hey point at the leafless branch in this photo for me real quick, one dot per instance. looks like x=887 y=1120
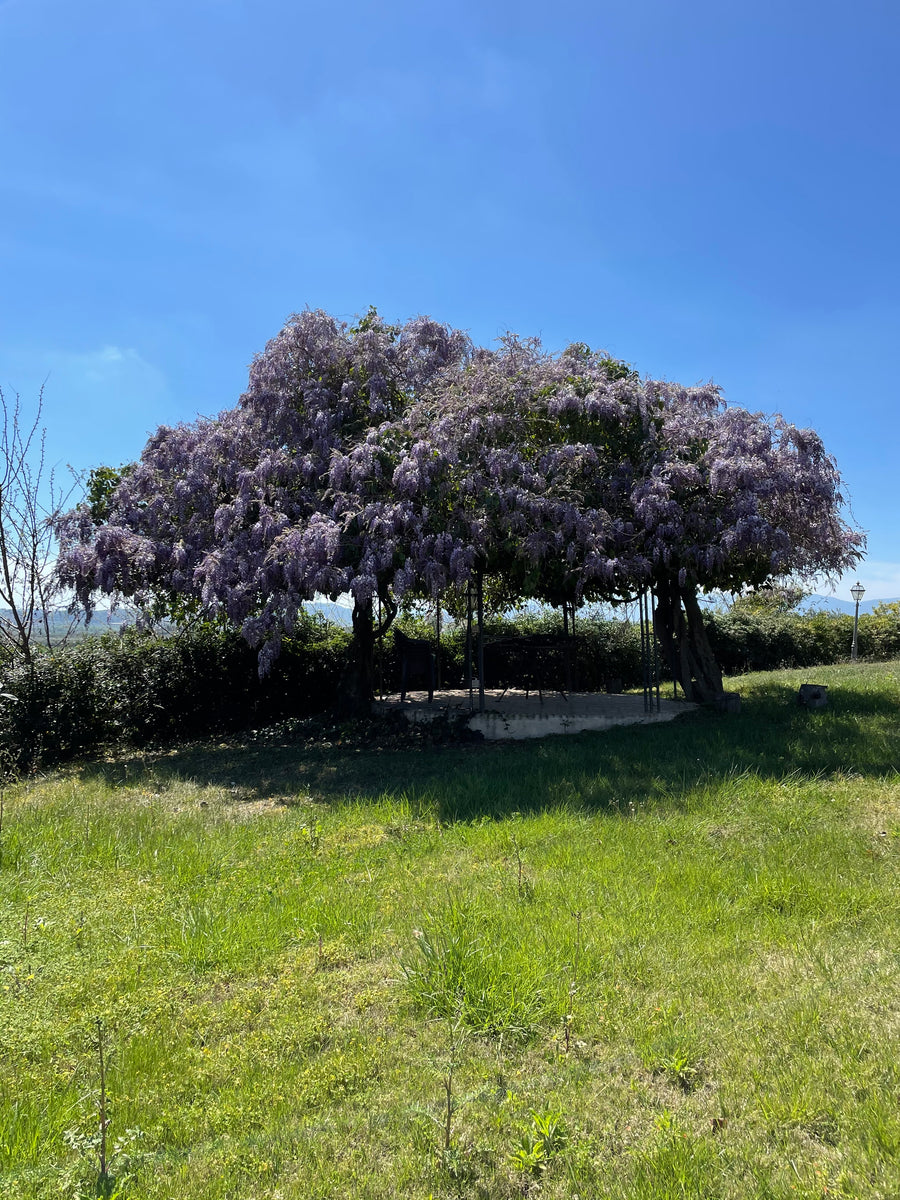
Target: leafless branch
x=31 y=498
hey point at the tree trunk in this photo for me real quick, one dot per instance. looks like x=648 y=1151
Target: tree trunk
x=356 y=688
x=685 y=644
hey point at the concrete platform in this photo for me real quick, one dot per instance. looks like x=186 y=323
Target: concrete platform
x=513 y=715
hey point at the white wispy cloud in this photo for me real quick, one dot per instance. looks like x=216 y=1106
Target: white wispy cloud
x=99 y=404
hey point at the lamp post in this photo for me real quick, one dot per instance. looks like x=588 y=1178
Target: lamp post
x=857 y=592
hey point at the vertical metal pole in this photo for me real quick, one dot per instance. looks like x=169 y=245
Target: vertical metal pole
x=645 y=650
x=656 y=671
x=380 y=655
x=437 y=657
x=571 y=671
x=853 y=648
x=469 y=642
x=480 y=599
x=643 y=655
x=651 y=651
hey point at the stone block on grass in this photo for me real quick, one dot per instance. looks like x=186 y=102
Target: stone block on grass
x=813 y=695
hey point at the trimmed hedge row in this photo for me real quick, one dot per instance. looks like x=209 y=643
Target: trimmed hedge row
x=747 y=641
x=138 y=689
x=743 y=640
x=142 y=690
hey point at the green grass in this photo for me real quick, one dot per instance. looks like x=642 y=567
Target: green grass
x=646 y=963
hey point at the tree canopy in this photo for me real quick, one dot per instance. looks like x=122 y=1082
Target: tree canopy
x=390 y=461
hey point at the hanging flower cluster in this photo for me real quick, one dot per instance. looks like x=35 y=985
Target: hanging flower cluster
x=389 y=460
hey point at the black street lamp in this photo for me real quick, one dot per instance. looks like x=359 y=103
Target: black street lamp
x=857 y=592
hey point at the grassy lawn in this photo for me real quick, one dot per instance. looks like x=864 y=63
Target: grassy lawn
x=654 y=962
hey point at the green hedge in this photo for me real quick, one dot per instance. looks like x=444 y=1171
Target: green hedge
x=138 y=689
x=767 y=641
x=743 y=640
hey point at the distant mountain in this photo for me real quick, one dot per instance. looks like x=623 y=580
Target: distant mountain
x=102 y=621
x=341 y=614
x=834 y=605
x=338 y=614
x=59 y=622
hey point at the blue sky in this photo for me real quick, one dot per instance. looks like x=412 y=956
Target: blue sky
x=708 y=190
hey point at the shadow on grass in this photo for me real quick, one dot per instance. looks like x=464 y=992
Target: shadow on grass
x=773 y=737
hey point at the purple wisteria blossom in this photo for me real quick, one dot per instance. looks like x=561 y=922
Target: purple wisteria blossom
x=390 y=461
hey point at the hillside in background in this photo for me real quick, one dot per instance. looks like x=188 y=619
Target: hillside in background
x=833 y=604
x=61 y=622
x=105 y=622
x=340 y=614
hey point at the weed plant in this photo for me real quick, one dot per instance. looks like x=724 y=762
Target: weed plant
x=274 y=940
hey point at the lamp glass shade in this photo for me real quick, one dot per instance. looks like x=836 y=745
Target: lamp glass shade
x=857 y=592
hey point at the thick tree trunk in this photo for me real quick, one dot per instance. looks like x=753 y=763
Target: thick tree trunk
x=356 y=688
x=685 y=644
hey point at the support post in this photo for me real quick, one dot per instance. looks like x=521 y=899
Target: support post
x=437 y=654
x=480 y=601
x=380 y=654
x=651 y=605
x=643 y=625
x=854 y=648
x=469 y=644
x=649 y=652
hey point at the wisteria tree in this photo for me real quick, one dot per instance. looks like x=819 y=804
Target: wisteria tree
x=513 y=467
x=397 y=461
x=570 y=478
x=236 y=516
x=732 y=499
